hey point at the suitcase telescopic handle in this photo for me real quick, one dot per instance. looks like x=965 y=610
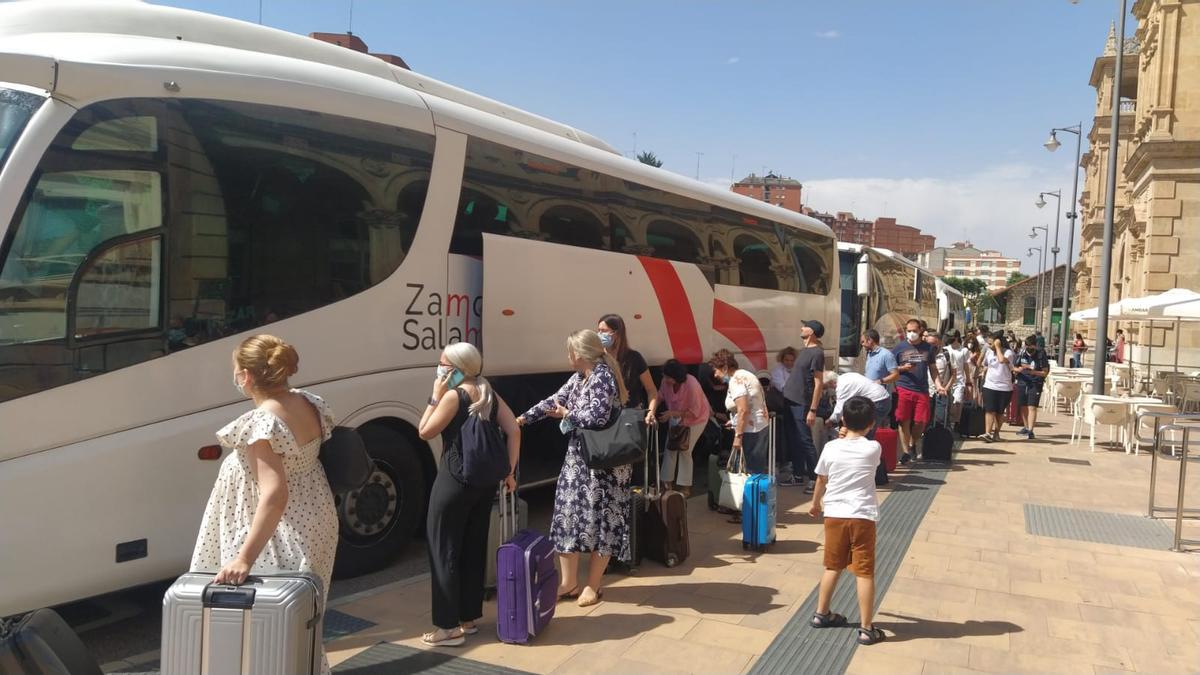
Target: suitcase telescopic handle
x=508 y=512
x=217 y=596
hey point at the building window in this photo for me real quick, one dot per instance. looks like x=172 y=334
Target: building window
x=1029 y=312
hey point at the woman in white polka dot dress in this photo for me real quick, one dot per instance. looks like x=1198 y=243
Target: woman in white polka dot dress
x=271 y=508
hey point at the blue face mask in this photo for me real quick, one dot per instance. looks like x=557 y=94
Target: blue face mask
x=565 y=426
x=725 y=379
x=456 y=376
x=606 y=339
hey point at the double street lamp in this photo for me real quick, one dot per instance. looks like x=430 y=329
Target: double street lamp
x=1041 y=272
x=1052 y=144
x=1041 y=201
x=1037 y=307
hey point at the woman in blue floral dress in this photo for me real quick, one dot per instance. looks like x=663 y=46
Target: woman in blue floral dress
x=590 y=506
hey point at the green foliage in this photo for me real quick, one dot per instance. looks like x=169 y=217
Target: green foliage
x=648 y=157
x=970 y=288
x=1015 y=277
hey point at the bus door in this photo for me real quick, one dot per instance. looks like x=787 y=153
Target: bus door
x=536 y=293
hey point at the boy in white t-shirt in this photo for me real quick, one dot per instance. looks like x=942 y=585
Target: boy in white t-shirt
x=845 y=493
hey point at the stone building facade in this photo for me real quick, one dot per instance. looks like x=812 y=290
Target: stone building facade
x=1020 y=309
x=1156 y=233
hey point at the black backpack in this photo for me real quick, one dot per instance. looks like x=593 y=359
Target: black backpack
x=484 y=448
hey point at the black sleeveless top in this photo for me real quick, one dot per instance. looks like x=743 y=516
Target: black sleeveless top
x=452 y=458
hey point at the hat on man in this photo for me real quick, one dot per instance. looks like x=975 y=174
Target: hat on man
x=817 y=328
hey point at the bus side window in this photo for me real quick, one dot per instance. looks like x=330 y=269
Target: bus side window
x=812 y=254
x=69 y=214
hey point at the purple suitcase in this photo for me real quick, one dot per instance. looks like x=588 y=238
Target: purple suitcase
x=526 y=580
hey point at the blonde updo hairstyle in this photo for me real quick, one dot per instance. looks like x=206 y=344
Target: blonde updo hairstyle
x=468 y=361
x=585 y=344
x=268 y=359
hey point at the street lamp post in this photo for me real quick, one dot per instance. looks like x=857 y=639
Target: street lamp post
x=1052 y=144
x=1057 y=194
x=1110 y=202
x=1037 y=320
x=1041 y=308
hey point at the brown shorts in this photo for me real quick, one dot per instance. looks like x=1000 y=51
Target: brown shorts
x=850 y=544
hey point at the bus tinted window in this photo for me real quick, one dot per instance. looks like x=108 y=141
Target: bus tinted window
x=271 y=212
x=284 y=211
x=512 y=192
x=813 y=255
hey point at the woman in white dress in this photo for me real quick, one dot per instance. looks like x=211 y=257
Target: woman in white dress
x=271 y=508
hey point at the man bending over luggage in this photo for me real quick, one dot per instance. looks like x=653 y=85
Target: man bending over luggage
x=845 y=493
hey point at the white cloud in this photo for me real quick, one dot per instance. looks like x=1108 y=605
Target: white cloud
x=993 y=208
x=732 y=60
x=828 y=34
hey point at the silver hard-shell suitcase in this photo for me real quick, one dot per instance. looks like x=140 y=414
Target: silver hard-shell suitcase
x=269 y=624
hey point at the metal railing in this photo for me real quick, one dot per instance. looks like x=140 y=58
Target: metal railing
x=1185 y=431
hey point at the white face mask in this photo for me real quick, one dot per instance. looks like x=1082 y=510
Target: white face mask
x=240 y=387
x=912 y=336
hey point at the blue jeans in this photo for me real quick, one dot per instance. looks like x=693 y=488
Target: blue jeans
x=882 y=410
x=803 y=449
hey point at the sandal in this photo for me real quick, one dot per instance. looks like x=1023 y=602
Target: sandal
x=830 y=620
x=598 y=595
x=469 y=628
x=569 y=595
x=869 y=636
x=450 y=639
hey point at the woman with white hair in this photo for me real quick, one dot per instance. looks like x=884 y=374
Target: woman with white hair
x=589 y=504
x=460 y=513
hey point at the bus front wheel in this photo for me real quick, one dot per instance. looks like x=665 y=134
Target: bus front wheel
x=377 y=521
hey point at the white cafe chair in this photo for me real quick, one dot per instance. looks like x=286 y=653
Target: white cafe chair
x=1112 y=415
x=1146 y=426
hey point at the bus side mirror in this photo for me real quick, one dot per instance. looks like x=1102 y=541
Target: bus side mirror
x=863 y=276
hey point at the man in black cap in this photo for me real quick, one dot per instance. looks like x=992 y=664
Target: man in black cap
x=803 y=393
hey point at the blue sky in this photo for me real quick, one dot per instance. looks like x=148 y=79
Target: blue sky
x=931 y=112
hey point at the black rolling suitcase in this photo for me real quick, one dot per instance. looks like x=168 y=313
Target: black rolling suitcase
x=41 y=643
x=938 y=441
x=971 y=423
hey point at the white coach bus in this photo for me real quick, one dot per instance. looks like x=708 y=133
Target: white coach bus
x=881 y=289
x=172 y=182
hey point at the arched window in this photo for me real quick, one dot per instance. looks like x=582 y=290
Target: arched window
x=754 y=262
x=572 y=226
x=673 y=241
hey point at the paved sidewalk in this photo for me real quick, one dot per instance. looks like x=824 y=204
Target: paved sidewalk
x=973 y=591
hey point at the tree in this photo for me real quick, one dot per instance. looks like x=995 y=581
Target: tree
x=970 y=288
x=1015 y=277
x=648 y=157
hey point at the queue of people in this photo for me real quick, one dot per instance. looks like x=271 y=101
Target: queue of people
x=271 y=506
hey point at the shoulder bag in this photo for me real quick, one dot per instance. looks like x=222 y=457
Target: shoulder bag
x=347 y=464
x=618 y=443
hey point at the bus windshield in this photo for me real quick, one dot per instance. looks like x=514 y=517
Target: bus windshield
x=16 y=107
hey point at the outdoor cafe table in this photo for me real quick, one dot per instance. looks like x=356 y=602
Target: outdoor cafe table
x=1132 y=402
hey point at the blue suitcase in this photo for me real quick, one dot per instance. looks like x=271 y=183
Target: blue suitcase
x=758 y=502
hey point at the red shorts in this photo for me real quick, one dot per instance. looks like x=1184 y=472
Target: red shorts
x=912 y=405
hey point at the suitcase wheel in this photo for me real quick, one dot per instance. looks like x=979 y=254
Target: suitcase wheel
x=672 y=560
x=745 y=546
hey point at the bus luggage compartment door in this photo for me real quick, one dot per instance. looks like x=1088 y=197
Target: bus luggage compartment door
x=536 y=293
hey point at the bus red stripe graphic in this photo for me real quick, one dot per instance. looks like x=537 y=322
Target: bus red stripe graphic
x=676 y=309
x=739 y=328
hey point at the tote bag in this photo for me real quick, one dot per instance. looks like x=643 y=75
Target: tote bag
x=618 y=443
x=733 y=481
